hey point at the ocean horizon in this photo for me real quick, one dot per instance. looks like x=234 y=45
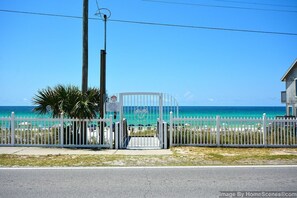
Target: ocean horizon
x=184 y=111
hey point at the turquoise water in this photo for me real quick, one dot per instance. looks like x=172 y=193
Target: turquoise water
x=231 y=111
x=187 y=111
x=20 y=111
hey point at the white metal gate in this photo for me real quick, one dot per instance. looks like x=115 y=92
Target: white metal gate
x=143 y=118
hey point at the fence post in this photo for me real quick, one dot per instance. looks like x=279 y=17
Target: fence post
x=171 y=129
x=12 y=128
x=264 y=130
x=116 y=135
x=62 y=130
x=218 y=120
x=111 y=132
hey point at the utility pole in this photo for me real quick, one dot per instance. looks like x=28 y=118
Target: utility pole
x=85 y=46
x=103 y=80
x=84 y=87
x=103 y=73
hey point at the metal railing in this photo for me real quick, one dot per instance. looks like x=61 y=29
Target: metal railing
x=55 y=132
x=234 y=132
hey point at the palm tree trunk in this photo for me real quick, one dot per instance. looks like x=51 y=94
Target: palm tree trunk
x=85 y=46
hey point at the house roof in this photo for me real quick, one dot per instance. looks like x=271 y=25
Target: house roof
x=289 y=70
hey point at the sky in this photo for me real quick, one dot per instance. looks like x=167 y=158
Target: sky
x=198 y=66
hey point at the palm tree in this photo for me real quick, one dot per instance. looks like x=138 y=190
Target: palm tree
x=47 y=102
x=70 y=101
x=87 y=105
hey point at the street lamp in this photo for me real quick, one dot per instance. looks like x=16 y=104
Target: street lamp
x=104 y=17
x=104 y=14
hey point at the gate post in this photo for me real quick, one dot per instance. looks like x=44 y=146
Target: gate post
x=161 y=131
x=165 y=135
x=120 y=142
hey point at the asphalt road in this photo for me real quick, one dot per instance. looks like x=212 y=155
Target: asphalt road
x=144 y=182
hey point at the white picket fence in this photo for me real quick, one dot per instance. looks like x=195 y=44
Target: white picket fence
x=56 y=132
x=233 y=132
x=186 y=131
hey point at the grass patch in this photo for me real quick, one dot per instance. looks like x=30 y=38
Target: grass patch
x=182 y=156
x=216 y=156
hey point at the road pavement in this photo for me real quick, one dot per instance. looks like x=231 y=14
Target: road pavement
x=144 y=182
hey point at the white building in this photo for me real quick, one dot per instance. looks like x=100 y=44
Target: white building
x=290 y=95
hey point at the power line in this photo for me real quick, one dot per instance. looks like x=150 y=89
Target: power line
x=217 y=6
x=261 y=4
x=205 y=27
x=156 y=24
x=42 y=14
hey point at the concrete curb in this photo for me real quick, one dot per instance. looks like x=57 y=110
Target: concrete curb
x=151 y=167
x=68 y=151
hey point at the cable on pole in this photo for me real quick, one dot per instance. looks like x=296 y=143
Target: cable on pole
x=158 y=24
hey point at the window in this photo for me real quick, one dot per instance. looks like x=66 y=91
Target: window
x=283 y=96
x=290 y=111
x=295 y=87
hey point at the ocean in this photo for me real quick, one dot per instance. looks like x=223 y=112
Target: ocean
x=231 y=111
x=184 y=111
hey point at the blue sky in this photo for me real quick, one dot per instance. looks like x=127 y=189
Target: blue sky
x=197 y=66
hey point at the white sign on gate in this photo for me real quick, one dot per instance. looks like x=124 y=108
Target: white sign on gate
x=113 y=106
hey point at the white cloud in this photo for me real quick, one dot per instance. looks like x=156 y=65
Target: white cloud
x=188 y=96
x=26 y=101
